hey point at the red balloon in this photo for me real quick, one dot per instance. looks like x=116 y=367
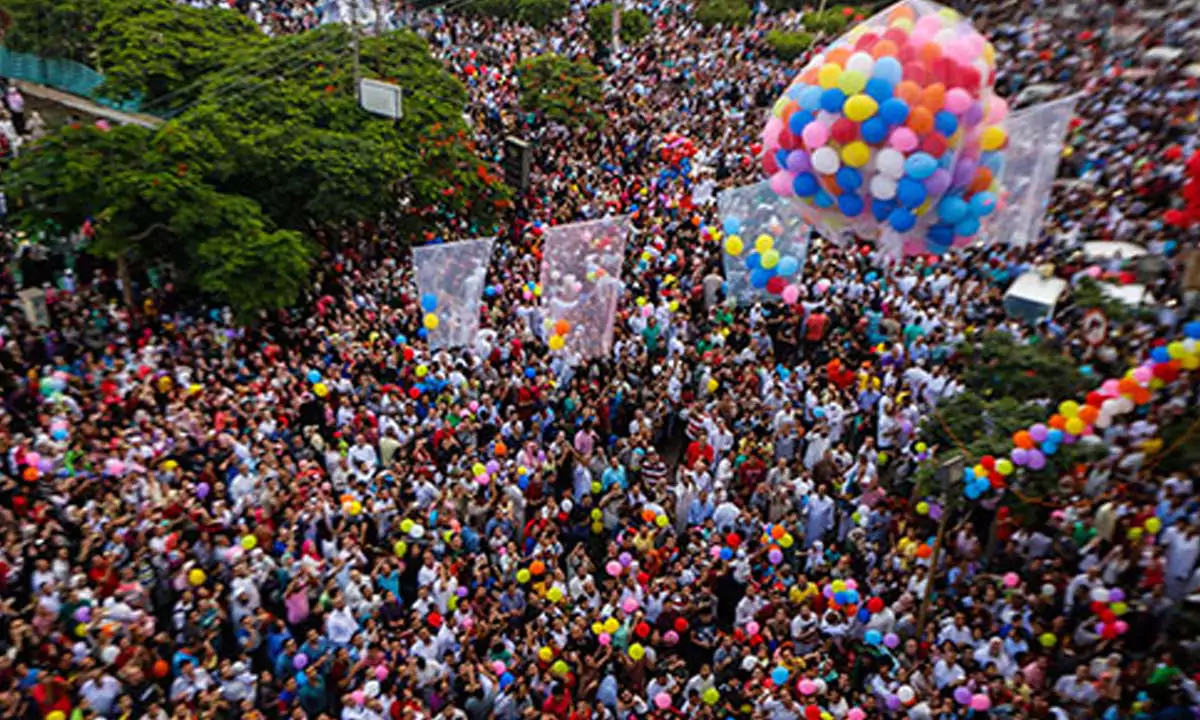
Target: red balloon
x=681 y=624
x=875 y=605
x=812 y=712
x=1095 y=399
x=770 y=164
x=1175 y=218
x=642 y=629
x=776 y=285
x=988 y=462
x=1109 y=632
x=915 y=71
x=897 y=35
x=1108 y=616
x=866 y=42
x=1173 y=153
x=844 y=130
x=788 y=140
x=414 y=392
x=935 y=144
x=907 y=52
x=733 y=540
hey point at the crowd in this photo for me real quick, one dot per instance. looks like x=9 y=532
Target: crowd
x=285 y=520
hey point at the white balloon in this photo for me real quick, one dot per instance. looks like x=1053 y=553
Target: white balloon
x=1124 y=405
x=890 y=162
x=1104 y=421
x=883 y=187
x=905 y=694
x=1100 y=595
x=826 y=161
x=861 y=62
x=417 y=532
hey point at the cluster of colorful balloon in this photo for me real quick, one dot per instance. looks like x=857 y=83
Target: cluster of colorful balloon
x=1114 y=398
x=1109 y=606
x=894 y=128
x=770 y=270
x=558 y=339
x=429 y=304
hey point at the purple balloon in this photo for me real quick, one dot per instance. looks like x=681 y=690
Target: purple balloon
x=493 y=467
x=300 y=661
x=1116 y=595
x=798 y=162
x=1020 y=456
x=891 y=640
x=1038 y=432
x=202 y=490
x=1069 y=439
x=974 y=113
x=1036 y=460
x=83 y=614
x=938 y=182
x=964 y=171
x=935 y=511
x=962 y=695
x=893 y=703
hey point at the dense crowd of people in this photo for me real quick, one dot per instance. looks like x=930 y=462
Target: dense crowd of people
x=286 y=519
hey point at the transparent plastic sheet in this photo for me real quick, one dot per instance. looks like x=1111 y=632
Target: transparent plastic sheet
x=757 y=210
x=454 y=274
x=1030 y=167
x=581 y=284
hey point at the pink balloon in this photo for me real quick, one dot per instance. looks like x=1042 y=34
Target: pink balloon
x=807 y=687
x=359 y=697
x=958 y=100
x=752 y=628
x=629 y=605
x=770 y=136
x=1094 y=272
x=1111 y=387
x=791 y=295
x=980 y=702
x=903 y=139
x=1143 y=374
x=499 y=667
x=781 y=183
x=815 y=135
x=381 y=672
x=855 y=714
x=604 y=638
x=997 y=109
x=928 y=25
x=662 y=700
x=1011 y=580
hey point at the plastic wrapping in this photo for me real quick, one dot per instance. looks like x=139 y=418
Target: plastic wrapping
x=450 y=280
x=749 y=213
x=581 y=284
x=1031 y=166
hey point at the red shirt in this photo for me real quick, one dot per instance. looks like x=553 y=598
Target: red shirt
x=814 y=326
x=694 y=451
x=558 y=705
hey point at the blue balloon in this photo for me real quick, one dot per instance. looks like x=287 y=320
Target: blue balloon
x=935 y=248
x=732 y=225
x=805 y=185
x=871 y=276
x=1054 y=436
x=881 y=209
x=993 y=161
x=490 y=291
x=967 y=227
x=787 y=266
x=895 y=111
x=972 y=492
x=819 y=412
x=911 y=193
x=530 y=373
x=823 y=200
x=873 y=637
x=941 y=234
x=983 y=203
x=840 y=598
x=59 y=433
x=726 y=553
x=506 y=679
x=902 y=220
x=314 y=377
x=796 y=90
x=760 y=277
x=848 y=178
x=753 y=260
x=952 y=209
x=781 y=156
x=429 y=302
x=969 y=475
x=832 y=100
x=422 y=333
x=920 y=165
x=798 y=120
x=810 y=99
x=945 y=123
x=888 y=68
x=1192 y=330
x=852 y=596
x=864 y=615
x=779 y=675
x=850 y=204
x=874 y=130
x=879 y=90
x=1049 y=448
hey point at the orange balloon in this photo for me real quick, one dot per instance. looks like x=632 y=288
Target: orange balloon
x=884 y=48
x=1128 y=386
x=501 y=449
x=830 y=184
x=160 y=668
x=1089 y=414
x=929 y=52
x=791 y=107
x=562 y=327
x=934 y=97
x=920 y=120
x=1023 y=439
x=809 y=77
x=909 y=92
x=902 y=11
x=982 y=181
x=924 y=551
x=838 y=55
x=1058 y=421
x=30 y=474
x=1141 y=396
x=537 y=567
x=777 y=532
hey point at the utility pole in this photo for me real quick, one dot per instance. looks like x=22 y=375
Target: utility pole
x=355 y=43
x=945 y=477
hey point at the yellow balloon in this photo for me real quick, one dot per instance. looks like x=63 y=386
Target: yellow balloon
x=713 y=385
x=597 y=628
x=1075 y=426
x=856 y=154
x=555 y=595
x=781 y=105
x=249 y=542
x=829 y=75
x=770 y=259
x=860 y=107
x=636 y=651
x=320 y=389
x=1190 y=362
x=1153 y=525
x=422 y=371
x=611 y=626
x=763 y=243
x=993 y=138
x=545 y=654
x=557 y=342
x=852 y=81
x=400 y=548
x=431 y=321
x=786 y=541
x=196 y=577
x=56 y=715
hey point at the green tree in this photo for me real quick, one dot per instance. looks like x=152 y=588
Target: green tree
x=228 y=189
x=562 y=89
x=158 y=49
x=634 y=25
x=726 y=13
x=541 y=13
x=788 y=45
x=62 y=28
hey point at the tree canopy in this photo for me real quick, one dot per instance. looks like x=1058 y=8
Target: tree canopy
x=562 y=89
x=228 y=189
x=634 y=24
